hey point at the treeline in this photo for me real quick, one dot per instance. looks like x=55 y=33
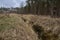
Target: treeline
x=39 y=7
x=18 y=10
x=8 y=10
x=43 y=7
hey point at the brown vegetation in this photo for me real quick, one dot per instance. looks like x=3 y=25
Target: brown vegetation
x=29 y=27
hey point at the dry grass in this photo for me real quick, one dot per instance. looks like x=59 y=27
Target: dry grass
x=20 y=27
x=12 y=27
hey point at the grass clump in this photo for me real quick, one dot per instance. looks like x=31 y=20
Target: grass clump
x=7 y=22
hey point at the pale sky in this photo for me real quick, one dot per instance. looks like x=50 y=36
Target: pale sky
x=11 y=3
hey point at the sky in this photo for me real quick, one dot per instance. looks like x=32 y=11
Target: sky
x=12 y=3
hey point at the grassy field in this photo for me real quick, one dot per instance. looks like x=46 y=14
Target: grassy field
x=29 y=27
